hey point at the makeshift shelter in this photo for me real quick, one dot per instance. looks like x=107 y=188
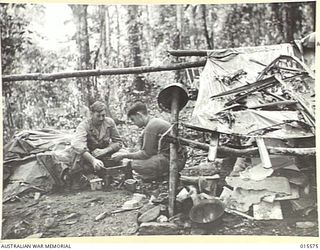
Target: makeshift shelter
x=235 y=88
x=36 y=160
x=264 y=95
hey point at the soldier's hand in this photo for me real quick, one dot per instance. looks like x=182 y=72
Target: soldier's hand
x=97 y=164
x=118 y=156
x=98 y=152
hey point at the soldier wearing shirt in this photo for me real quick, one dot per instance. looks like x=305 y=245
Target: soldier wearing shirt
x=96 y=139
x=152 y=160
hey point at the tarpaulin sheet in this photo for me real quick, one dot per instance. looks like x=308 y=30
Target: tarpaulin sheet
x=224 y=63
x=36 y=160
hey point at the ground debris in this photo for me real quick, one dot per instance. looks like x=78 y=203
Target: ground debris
x=101 y=216
x=71 y=222
x=71 y=216
x=50 y=223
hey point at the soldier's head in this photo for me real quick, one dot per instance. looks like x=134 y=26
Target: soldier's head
x=98 y=112
x=138 y=114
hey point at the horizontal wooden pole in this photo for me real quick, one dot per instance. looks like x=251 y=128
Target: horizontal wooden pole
x=188 y=52
x=224 y=151
x=99 y=72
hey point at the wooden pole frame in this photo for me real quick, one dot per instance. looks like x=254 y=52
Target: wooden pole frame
x=224 y=151
x=99 y=72
x=173 y=171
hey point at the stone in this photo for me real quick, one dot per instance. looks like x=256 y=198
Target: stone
x=150 y=214
x=158 y=228
x=139 y=197
x=162 y=218
x=146 y=207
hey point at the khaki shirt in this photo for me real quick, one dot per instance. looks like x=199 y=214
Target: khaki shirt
x=89 y=138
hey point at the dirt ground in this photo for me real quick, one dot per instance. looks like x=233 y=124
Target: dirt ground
x=72 y=214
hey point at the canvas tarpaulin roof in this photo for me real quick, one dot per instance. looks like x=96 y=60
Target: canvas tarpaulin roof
x=249 y=61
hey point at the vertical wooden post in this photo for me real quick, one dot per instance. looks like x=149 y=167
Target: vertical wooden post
x=173 y=174
x=214 y=142
x=264 y=154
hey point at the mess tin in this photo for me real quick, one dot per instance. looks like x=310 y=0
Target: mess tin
x=96 y=184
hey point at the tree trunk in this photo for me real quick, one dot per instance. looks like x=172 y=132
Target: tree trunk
x=202 y=9
x=118 y=36
x=104 y=48
x=179 y=14
x=109 y=48
x=313 y=15
x=211 y=25
x=276 y=11
x=192 y=28
x=176 y=38
x=134 y=35
x=82 y=39
x=103 y=39
x=288 y=22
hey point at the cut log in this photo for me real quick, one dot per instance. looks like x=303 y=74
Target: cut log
x=99 y=72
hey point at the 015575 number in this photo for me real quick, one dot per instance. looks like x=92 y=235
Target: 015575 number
x=308 y=246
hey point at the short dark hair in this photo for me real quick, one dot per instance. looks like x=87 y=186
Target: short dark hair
x=137 y=107
x=98 y=106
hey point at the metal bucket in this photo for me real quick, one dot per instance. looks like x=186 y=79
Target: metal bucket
x=165 y=96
